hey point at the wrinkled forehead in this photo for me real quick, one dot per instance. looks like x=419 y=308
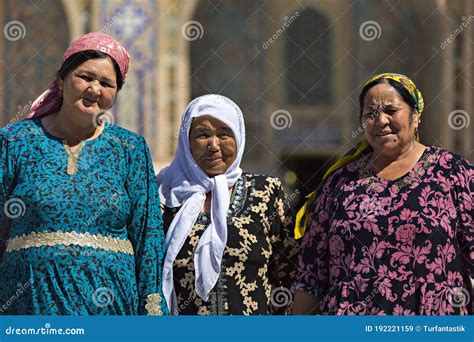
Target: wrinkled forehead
x=382 y=94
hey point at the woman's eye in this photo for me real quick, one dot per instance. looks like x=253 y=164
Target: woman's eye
x=226 y=134
x=372 y=115
x=85 y=78
x=105 y=85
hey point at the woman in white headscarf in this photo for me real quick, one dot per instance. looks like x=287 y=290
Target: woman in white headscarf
x=230 y=249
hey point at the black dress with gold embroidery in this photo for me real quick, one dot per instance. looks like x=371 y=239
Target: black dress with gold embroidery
x=259 y=260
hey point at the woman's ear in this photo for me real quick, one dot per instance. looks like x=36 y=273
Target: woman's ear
x=60 y=84
x=416 y=119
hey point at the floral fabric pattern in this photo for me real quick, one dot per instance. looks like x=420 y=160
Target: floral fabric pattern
x=260 y=255
x=402 y=247
x=98 y=234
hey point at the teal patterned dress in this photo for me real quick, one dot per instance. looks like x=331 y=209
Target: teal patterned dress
x=89 y=243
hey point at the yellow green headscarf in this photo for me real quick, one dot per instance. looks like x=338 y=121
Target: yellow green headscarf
x=305 y=211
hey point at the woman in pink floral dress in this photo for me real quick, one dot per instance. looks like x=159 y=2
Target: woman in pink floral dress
x=390 y=231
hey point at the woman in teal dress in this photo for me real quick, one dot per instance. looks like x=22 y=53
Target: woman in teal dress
x=81 y=226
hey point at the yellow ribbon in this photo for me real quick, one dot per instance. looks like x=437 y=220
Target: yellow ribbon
x=303 y=214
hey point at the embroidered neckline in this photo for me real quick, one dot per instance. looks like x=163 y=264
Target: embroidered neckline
x=72 y=157
x=420 y=168
x=237 y=201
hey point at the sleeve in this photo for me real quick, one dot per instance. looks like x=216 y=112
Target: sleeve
x=282 y=268
x=6 y=181
x=313 y=261
x=463 y=182
x=145 y=231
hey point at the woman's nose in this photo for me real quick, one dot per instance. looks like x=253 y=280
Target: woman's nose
x=95 y=86
x=382 y=119
x=213 y=144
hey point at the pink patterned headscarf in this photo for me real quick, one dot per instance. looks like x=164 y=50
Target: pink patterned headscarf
x=51 y=100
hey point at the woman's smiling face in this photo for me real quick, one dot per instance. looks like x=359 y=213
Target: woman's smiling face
x=89 y=88
x=213 y=145
x=388 y=121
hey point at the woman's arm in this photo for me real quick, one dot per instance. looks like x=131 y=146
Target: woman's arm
x=5 y=185
x=462 y=178
x=145 y=230
x=285 y=249
x=313 y=262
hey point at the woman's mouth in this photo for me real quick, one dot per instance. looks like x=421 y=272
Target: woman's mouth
x=213 y=160
x=88 y=102
x=384 y=134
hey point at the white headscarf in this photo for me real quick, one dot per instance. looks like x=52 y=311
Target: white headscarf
x=183 y=183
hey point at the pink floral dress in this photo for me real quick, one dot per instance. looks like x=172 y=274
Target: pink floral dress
x=402 y=247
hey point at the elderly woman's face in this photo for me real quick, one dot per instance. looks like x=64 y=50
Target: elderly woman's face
x=89 y=88
x=213 y=145
x=389 y=125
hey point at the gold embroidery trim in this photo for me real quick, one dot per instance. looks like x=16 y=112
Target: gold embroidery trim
x=153 y=305
x=70 y=238
x=72 y=157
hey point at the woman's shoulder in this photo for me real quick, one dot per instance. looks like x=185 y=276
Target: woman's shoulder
x=446 y=159
x=16 y=131
x=346 y=172
x=123 y=136
x=122 y=132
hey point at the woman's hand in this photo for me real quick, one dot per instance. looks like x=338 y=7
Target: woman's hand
x=305 y=304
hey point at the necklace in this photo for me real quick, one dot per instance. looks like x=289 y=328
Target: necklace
x=72 y=157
